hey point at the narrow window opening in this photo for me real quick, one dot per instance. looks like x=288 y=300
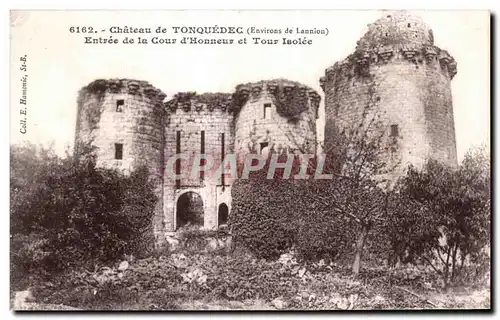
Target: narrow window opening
x=267 y=111
x=394 y=130
x=178 y=161
x=202 y=161
x=409 y=25
x=119 y=105
x=118 y=151
x=222 y=156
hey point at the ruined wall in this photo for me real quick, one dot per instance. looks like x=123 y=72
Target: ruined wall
x=190 y=115
x=136 y=122
x=289 y=121
x=398 y=73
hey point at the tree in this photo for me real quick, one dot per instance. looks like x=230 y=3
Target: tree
x=452 y=226
x=358 y=188
x=357 y=155
x=29 y=164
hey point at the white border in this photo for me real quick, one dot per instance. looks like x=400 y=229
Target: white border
x=190 y=4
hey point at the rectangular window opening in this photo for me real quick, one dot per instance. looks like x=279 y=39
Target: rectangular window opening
x=202 y=150
x=394 y=130
x=178 y=161
x=118 y=151
x=119 y=105
x=267 y=111
x=223 y=154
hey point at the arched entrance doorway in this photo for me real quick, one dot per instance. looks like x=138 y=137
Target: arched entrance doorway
x=189 y=210
x=223 y=214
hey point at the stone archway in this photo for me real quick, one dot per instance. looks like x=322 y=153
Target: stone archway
x=223 y=214
x=190 y=211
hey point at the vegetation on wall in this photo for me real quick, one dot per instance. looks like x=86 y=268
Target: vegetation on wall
x=214 y=100
x=290 y=98
x=96 y=87
x=90 y=103
x=239 y=98
x=182 y=99
x=211 y=101
x=290 y=101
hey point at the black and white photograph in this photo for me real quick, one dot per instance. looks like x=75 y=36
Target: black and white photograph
x=250 y=160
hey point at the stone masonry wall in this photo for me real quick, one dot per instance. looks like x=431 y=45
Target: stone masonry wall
x=138 y=127
x=191 y=114
x=408 y=84
x=395 y=28
x=190 y=118
x=252 y=128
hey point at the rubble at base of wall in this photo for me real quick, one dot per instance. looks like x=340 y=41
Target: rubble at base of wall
x=194 y=239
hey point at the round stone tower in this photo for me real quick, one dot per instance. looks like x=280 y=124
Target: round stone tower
x=123 y=121
x=275 y=115
x=398 y=75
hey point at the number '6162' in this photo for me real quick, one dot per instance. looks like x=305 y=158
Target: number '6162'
x=81 y=30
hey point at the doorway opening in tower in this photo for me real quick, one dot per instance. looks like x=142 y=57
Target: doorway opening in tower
x=223 y=214
x=189 y=211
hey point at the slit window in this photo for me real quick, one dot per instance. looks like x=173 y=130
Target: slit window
x=119 y=105
x=178 y=161
x=267 y=111
x=223 y=154
x=202 y=161
x=118 y=151
x=394 y=130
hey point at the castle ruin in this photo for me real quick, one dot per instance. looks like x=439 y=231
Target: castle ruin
x=395 y=64
x=397 y=71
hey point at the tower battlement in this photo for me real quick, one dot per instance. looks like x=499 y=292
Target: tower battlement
x=421 y=56
x=282 y=91
x=123 y=86
x=191 y=101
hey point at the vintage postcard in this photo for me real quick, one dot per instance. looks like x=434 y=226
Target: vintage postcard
x=250 y=160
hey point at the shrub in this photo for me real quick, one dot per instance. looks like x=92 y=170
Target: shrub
x=322 y=236
x=260 y=219
x=244 y=277
x=270 y=216
x=81 y=214
x=452 y=226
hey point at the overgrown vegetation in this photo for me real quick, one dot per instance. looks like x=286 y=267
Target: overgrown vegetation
x=436 y=217
x=185 y=280
x=298 y=242
x=290 y=100
x=66 y=213
x=442 y=218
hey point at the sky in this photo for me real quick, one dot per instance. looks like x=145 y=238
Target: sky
x=59 y=63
